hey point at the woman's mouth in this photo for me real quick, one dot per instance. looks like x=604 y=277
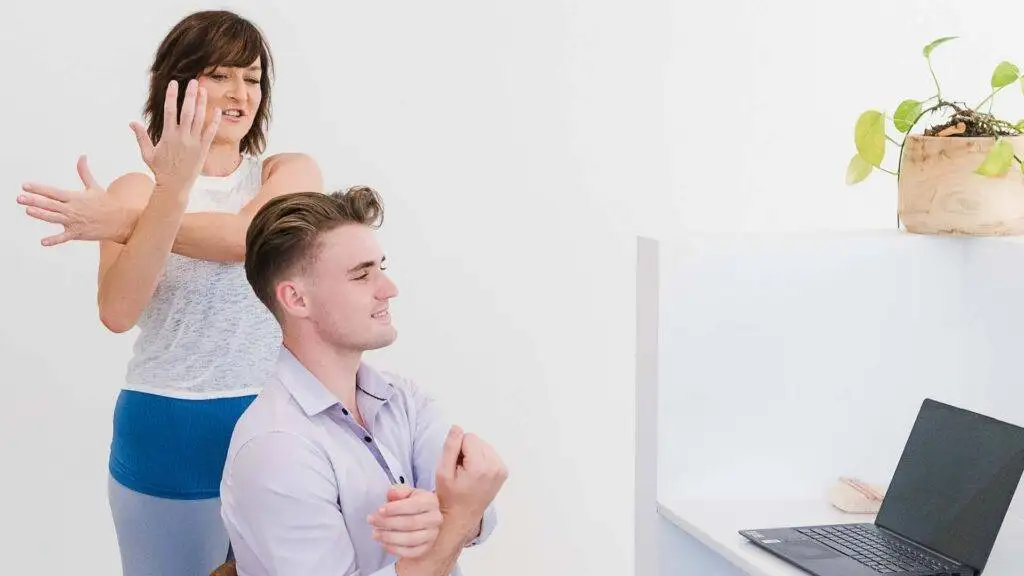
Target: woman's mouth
x=232 y=115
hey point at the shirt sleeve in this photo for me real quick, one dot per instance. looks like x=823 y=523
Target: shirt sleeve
x=430 y=428
x=279 y=498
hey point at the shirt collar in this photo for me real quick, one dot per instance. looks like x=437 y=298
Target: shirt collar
x=313 y=397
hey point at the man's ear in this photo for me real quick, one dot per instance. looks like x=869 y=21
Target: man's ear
x=291 y=298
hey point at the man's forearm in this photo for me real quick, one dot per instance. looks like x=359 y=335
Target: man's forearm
x=441 y=559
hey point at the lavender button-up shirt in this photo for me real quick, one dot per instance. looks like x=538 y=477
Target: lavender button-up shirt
x=302 y=475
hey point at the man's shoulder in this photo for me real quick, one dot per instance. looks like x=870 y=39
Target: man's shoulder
x=272 y=411
x=402 y=384
x=410 y=396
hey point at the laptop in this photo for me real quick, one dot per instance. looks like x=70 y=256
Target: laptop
x=940 y=515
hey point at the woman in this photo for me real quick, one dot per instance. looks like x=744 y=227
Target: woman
x=171 y=253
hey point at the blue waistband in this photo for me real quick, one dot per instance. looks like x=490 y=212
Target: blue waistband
x=171 y=447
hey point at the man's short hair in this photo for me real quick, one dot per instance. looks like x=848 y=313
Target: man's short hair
x=283 y=236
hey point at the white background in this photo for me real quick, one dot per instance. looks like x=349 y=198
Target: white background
x=763 y=98
x=520 y=146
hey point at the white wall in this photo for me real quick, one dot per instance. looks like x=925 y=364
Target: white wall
x=519 y=147
x=762 y=100
x=764 y=97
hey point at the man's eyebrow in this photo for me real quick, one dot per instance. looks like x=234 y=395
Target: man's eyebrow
x=367 y=264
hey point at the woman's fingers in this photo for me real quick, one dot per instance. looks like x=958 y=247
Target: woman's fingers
x=47 y=191
x=200 y=114
x=41 y=202
x=171 y=108
x=211 y=130
x=46 y=215
x=85 y=174
x=188 y=107
x=61 y=238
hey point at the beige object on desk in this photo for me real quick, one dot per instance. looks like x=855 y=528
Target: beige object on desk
x=856 y=497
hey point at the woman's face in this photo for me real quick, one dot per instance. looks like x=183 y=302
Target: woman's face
x=237 y=92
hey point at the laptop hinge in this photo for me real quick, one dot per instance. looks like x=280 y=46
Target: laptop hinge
x=974 y=571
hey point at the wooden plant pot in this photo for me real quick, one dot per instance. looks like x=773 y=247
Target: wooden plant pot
x=940 y=193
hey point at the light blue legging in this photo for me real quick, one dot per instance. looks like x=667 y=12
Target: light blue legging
x=163 y=537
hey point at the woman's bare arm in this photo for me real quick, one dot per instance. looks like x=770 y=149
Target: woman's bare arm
x=220 y=236
x=128 y=273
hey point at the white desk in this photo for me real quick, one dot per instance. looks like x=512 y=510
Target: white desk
x=784 y=361
x=715 y=523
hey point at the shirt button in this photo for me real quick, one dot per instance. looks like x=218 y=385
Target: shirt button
x=367 y=438
x=401 y=479
x=344 y=411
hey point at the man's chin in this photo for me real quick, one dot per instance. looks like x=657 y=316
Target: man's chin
x=383 y=341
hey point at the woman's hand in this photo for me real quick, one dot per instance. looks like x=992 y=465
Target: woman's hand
x=89 y=214
x=178 y=158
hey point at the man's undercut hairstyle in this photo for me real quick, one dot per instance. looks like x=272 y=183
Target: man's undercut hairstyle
x=284 y=235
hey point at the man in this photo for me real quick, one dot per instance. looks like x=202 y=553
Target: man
x=337 y=468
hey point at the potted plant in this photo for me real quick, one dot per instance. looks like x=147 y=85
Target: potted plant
x=963 y=174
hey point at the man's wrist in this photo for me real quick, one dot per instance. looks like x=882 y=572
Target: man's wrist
x=455 y=533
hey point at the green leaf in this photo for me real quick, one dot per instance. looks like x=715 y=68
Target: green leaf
x=998 y=160
x=857 y=170
x=1006 y=73
x=906 y=113
x=935 y=43
x=869 y=136
x=1019 y=125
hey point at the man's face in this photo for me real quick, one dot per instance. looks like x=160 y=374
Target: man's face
x=346 y=292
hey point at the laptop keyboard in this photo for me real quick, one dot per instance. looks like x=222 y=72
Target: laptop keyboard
x=875 y=549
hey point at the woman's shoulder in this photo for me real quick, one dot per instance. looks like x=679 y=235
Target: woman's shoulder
x=288 y=161
x=131 y=186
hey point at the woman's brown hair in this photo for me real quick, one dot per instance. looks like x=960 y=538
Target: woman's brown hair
x=198 y=43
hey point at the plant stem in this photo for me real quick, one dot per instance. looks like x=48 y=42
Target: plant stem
x=938 y=91
x=989 y=97
x=887 y=171
x=890 y=139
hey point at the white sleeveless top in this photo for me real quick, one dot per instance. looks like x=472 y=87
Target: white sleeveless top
x=204 y=334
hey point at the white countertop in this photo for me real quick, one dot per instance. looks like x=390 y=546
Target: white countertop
x=715 y=523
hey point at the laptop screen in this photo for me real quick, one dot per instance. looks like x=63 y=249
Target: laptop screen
x=954 y=482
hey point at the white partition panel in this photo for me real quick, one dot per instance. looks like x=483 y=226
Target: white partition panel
x=787 y=360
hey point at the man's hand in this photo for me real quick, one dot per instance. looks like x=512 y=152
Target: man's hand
x=88 y=214
x=408 y=524
x=469 y=476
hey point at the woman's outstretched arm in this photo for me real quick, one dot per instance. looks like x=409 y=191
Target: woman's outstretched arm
x=96 y=214
x=219 y=236
x=128 y=273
